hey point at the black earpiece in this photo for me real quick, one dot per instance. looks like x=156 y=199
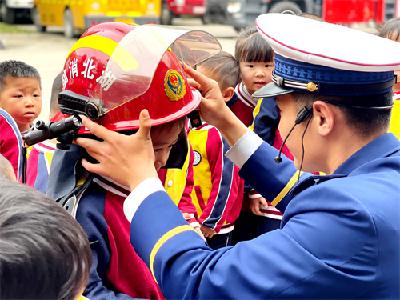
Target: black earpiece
x=302 y=115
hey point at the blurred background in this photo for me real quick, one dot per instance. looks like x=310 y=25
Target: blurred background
x=41 y=32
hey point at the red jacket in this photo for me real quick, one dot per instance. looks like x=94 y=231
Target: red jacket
x=11 y=142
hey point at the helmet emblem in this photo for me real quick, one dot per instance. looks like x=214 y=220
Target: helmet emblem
x=174 y=85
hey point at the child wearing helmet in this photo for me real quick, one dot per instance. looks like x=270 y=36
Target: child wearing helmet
x=113 y=72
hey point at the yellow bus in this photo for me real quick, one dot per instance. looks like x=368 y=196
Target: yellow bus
x=77 y=15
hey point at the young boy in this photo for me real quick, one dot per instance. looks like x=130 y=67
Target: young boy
x=125 y=82
x=218 y=189
x=20 y=92
x=45 y=254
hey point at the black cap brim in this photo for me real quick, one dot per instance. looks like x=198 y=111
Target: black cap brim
x=271 y=90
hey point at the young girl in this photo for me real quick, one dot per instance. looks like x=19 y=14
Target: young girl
x=255 y=57
x=391 y=30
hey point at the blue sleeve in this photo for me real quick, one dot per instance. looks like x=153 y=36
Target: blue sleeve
x=90 y=216
x=266 y=119
x=272 y=180
x=301 y=260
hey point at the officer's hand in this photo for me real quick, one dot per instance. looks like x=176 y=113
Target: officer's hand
x=213 y=108
x=126 y=159
x=256 y=204
x=207 y=231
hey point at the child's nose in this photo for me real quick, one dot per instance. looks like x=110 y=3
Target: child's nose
x=29 y=101
x=260 y=72
x=161 y=158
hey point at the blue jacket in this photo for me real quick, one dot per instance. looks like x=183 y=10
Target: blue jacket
x=339 y=238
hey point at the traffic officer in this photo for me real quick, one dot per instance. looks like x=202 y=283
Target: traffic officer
x=340 y=232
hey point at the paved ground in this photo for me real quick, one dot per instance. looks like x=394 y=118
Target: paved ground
x=47 y=51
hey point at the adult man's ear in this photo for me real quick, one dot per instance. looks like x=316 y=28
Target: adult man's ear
x=325 y=115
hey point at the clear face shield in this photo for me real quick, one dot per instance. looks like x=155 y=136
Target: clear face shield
x=131 y=68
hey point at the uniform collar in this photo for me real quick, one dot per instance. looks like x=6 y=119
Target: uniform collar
x=383 y=146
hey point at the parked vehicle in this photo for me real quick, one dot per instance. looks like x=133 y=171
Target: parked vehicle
x=244 y=12
x=76 y=16
x=216 y=11
x=178 y=8
x=11 y=9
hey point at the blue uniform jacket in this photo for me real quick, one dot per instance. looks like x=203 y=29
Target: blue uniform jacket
x=339 y=238
x=266 y=119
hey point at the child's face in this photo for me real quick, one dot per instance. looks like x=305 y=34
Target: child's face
x=22 y=99
x=163 y=138
x=255 y=74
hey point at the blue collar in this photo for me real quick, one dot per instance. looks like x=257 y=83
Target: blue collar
x=383 y=146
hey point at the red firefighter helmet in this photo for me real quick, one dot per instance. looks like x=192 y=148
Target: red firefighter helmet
x=116 y=70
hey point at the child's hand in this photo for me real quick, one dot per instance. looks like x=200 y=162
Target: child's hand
x=207 y=232
x=256 y=204
x=200 y=233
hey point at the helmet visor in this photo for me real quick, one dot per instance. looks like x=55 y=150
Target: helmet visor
x=132 y=65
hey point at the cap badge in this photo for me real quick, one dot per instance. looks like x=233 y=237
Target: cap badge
x=174 y=85
x=312 y=87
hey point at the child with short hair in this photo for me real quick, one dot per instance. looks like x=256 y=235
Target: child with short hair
x=20 y=92
x=391 y=30
x=45 y=254
x=218 y=189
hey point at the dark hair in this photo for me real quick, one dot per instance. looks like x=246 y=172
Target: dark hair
x=44 y=253
x=252 y=47
x=17 y=69
x=391 y=29
x=225 y=68
x=55 y=90
x=364 y=121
